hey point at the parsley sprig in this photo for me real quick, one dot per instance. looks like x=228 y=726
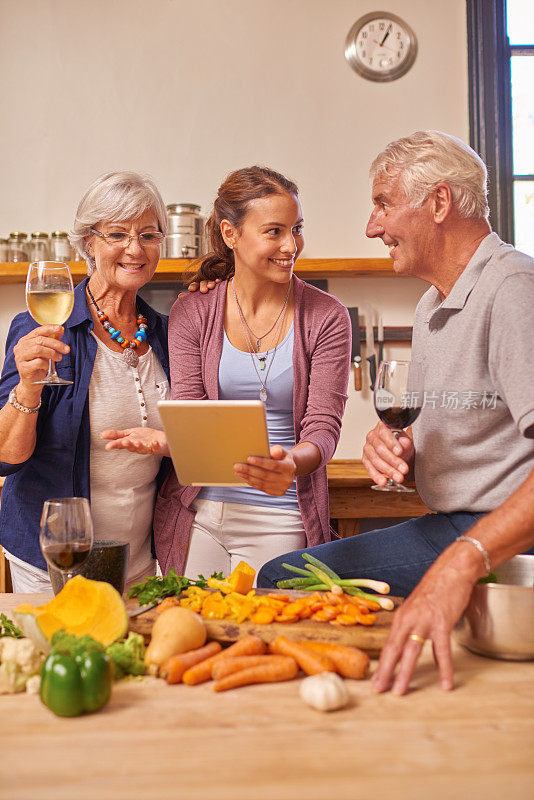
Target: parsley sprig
x=156 y=588
x=8 y=628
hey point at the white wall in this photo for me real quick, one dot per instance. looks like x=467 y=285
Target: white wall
x=188 y=91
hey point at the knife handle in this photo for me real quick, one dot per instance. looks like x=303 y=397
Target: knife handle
x=372 y=371
x=357 y=375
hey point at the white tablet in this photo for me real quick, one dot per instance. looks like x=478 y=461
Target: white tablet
x=207 y=437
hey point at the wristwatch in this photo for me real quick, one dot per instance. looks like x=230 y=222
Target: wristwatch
x=12 y=400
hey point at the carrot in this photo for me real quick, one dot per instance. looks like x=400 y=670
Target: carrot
x=226 y=666
x=248 y=646
x=263 y=616
x=364 y=618
x=173 y=669
x=283 y=670
x=349 y=661
x=311 y=663
x=169 y=602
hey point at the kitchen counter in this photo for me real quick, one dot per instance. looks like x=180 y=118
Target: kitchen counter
x=154 y=740
x=352 y=499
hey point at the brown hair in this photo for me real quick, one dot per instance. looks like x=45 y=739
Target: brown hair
x=231 y=203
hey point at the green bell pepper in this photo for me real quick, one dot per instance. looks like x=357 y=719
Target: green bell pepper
x=76 y=684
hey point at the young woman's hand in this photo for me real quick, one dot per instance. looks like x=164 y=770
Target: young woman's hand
x=145 y=441
x=272 y=475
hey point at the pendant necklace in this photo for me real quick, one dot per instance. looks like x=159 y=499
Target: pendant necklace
x=258 y=339
x=261 y=359
x=128 y=347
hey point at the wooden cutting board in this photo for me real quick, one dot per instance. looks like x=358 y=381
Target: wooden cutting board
x=371 y=639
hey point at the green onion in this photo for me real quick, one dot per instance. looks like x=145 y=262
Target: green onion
x=297 y=583
x=377 y=586
x=319 y=564
x=298 y=570
x=323 y=577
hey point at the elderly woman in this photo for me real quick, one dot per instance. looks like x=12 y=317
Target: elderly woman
x=50 y=442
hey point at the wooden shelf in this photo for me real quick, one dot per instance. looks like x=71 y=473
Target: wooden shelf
x=176 y=268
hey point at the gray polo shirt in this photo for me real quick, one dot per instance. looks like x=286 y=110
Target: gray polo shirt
x=474 y=438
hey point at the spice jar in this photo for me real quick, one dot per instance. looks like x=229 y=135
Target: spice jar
x=17 y=246
x=60 y=248
x=4 y=250
x=38 y=247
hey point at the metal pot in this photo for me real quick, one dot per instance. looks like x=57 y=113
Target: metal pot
x=499 y=620
x=184 y=236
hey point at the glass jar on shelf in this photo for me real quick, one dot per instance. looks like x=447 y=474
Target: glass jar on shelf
x=60 y=249
x=38 y=247
x=4 y=248
x=18 y=249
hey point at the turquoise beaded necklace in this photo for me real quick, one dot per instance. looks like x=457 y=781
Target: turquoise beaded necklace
x=128 y=347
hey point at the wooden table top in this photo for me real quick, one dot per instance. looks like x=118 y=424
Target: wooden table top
x=263 y=742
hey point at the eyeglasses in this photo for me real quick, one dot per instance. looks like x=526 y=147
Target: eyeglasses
x=123 y=240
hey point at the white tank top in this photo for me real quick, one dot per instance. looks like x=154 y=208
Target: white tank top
x=123 y=484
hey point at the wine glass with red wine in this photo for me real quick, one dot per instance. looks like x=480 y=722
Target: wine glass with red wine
x=66 y=534
x=398 y=394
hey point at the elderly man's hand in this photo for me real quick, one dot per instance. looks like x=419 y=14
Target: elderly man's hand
x=272 y=475
x=145 y=441
x=430 y=612
x=385 y=456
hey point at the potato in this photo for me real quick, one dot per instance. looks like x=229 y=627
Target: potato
x=175 y=631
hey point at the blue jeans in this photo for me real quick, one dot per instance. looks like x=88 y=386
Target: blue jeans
x=399 y=555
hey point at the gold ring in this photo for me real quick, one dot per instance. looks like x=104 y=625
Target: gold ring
x=416 y=638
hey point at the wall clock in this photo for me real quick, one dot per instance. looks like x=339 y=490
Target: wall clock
x=380 y=46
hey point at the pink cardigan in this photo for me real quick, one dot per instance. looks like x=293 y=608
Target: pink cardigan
x=321 y=364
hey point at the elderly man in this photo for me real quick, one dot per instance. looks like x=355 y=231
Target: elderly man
x=472 y=448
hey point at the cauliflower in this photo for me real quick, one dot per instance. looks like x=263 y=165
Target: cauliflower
x=20 y=659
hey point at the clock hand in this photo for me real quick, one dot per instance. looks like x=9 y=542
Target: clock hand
x=385 y=46
x=386 y=36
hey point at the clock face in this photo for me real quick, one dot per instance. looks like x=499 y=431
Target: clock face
x=380 y=47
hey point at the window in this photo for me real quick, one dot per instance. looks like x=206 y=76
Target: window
x=501 y=110
x=520 y=29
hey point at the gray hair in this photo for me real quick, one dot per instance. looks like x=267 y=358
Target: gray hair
x=115 y=197
x=427 y=158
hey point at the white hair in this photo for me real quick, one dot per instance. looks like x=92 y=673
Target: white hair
x=428 y=158
x=115 y=197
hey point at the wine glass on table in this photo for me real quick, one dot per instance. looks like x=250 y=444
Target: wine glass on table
x=66 y=534
x=397 y=396
x=50 y=300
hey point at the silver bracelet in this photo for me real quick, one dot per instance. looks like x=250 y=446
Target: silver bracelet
x=12 y=400
x=481 y=549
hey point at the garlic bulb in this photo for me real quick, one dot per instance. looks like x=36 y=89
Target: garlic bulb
x=324 y=692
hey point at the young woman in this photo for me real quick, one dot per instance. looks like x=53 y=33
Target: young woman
x=261 y=333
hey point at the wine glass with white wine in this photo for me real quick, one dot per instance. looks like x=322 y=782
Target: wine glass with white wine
x=50 y=300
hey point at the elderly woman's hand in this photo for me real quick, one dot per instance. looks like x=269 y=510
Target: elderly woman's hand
x=33 y=351
x=145 y=441
x=272 y=475
x=386 y=456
